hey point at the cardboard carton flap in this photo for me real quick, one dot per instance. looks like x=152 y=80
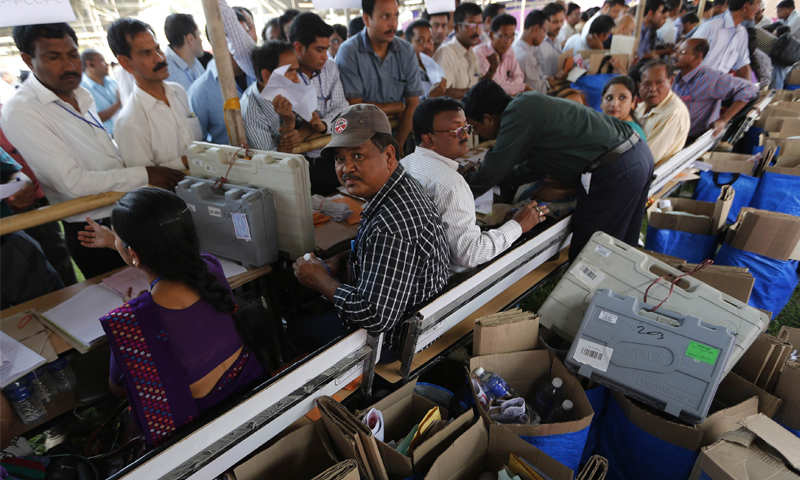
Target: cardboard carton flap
x=465 y=458
x=772 y=234
x=670 y=432
x=503 y=442
x=776 y=436
x=734 y=390
x=788 y=390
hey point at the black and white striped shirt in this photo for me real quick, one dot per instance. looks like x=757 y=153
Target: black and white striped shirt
x=262 y=124
x=399 y=259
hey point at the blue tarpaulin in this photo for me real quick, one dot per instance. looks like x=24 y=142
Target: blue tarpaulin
x=711 y=183
x=778 y=193
x=692 y=247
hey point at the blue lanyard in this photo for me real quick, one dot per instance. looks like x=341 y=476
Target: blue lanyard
x=153 y=284
x=302 y=75
x=99 y=124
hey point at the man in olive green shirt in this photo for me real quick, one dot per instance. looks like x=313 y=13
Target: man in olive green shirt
x=581 y=148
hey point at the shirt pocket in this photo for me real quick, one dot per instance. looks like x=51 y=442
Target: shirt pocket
x=393 y=91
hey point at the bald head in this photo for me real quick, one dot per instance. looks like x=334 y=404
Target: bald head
x=698 y=46
x=690 y=54
x=94 y=65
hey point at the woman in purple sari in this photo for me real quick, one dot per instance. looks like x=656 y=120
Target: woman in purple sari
x=175 y=349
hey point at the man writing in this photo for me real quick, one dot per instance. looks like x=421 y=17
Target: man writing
x=457 y=58
x=420 y=35
x=102 y=87
x=533 y=34
x=156 y=125
x=54 y=124
x=663 y=115
x=399 y=257
x=377 y=68
x=704 y=89
x=441 y=131
x=607 y=164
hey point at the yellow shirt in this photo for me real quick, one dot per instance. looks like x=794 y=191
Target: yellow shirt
x=460 y=65
x=666 y=126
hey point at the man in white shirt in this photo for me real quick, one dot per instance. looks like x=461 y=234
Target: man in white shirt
x=573 y=17
x=184 y=49
x=441 y=131
x=54 y=124
x=760 y=19
x=666 y=33
x=729 y=45
x=613 y=8
x=533 y=34
x=789 y=17
x=156 y=125
x=420 y=35
x=459 y=62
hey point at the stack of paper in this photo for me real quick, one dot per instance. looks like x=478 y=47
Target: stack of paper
x=16 y=360
x=79 y=316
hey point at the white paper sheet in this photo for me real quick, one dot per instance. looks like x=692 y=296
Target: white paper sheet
x=10 y=188
x=575 y=74
x=80 y=316
x=303 y=97
x=622 y=44
x=440 y=6
x=230 y=268
x=484 y=203
x=17 y=360
x=130 y=277
x=34 y=13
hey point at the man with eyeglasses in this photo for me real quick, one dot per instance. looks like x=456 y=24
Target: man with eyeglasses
x=508 y=73
x=441 y=131
x=377 y=68
x=310 y=38
x=663 y=114
x=457 y=58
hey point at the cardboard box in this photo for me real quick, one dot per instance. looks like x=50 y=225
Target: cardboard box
x=783 y=125
x=785 y=165
x=777 y=109
x=521 y=370
x=596 y=468
x=761 y=450
x=301 y=455
x=712 y=220
x=791 y=335
x=481 y=449
x=505 y=332
x=401 y=411
x=735 y=281
x=730 y=162
x=734 y=390
x=788 y=390
x=763 y=361
x=772 y=234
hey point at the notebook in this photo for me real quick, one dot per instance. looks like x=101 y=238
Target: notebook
x=79 y=317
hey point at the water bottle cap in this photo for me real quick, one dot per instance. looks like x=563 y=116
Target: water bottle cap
x=17 y=391
x=557 y=382
x=479 y=371
x=567 y=404
x=57 y=365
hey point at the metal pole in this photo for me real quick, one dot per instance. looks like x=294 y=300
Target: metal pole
x=227 y=83
x=637 y=32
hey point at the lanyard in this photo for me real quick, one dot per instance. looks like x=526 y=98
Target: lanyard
x=99 y=124
x=318 y=77
x=154 y=282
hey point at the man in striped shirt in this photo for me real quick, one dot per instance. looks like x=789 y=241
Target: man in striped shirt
x=441 y=131
x=399 y=257
x=703 y=89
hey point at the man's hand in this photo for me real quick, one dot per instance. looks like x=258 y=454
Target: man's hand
x=289 y=141
x=24 y=198
x=283 y=108
x=494 y=61
x=95 y=235
x=317 y=123
x=310 y=272
x=163 y=177
x=594 y=42
x=530 y=215
x=719 y=127
x=465 y=169
x=438 y=89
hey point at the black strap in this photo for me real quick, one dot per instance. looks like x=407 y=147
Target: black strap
x=717 y=182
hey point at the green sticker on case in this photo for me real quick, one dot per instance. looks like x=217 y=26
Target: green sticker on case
x=703 y=353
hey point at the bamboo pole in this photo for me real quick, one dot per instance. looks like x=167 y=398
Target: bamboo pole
x=227 y=83
x=700 y=9
x=637 y=32
x=56 y=212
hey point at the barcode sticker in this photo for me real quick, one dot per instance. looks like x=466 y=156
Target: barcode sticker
x=593 y=354
x=197 y=162
x=602 y=251
x=214 y=212
x=210 y=169
x=588 y=274
x=608 y=317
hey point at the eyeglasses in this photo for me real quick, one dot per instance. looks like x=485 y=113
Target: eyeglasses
x=470 y=25
x=505 y=37
x=468 y=129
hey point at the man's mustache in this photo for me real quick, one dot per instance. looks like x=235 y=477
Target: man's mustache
x=160 y=66
x=350 y=176
x=69 y=75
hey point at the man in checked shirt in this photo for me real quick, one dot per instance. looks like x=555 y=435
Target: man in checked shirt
x=399 y=258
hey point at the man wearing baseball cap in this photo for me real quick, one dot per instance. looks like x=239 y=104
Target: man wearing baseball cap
x=399 y=258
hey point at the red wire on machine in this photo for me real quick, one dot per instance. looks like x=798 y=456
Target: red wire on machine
x=224 y=179
x=706 y=263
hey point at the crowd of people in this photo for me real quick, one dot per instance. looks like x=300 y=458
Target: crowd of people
x=71 y=130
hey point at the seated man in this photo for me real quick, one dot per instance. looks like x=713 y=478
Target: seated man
x=578 y=147
x=457 y=58
x=600 y=32
x=664 y=116
x=533 y=34
x=54 y=124
x=419 y=35
x=507 y=73
x=270 y=125
x=703 y=89
x=156 y=125
x=441 y=131
x=399 y=257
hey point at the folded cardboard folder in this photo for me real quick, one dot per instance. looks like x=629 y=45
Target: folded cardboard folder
x=705 y=218
x=771 y=234
x=505 y=332
x=347 y=470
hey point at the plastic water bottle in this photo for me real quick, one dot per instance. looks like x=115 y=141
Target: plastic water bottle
x=548 y=396
x=562 y=413
x=42 y=384
x=28 y=407
x=493 y=386
x=479 y=394
x=62 y=374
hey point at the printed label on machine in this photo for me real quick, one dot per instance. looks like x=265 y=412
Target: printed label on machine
x=214 y=212
x=587 y=274
x=197 y=162
x=240 y=226
x=602 y=251
x=593 y=354
x=608 y=317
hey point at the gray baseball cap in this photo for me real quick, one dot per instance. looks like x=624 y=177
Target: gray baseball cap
x=355 y=126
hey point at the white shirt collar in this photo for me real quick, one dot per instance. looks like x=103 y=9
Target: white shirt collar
x=148 y=101
x=428 y=153
x=45 y=95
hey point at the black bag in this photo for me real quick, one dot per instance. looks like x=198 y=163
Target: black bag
x=786 y=51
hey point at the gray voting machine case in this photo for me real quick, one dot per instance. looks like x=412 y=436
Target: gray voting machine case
x=234 y=221
x=676 y=369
